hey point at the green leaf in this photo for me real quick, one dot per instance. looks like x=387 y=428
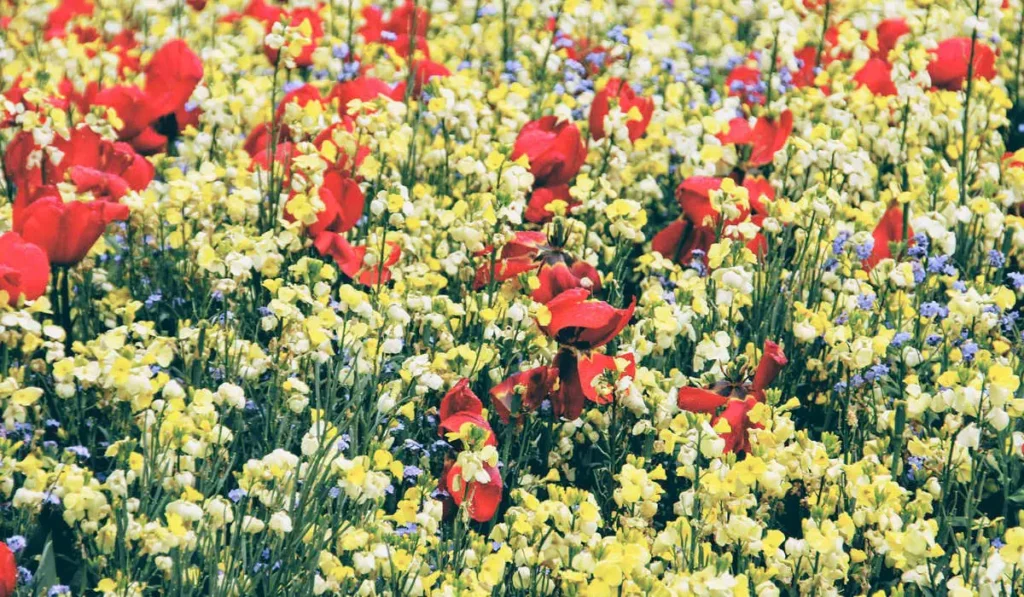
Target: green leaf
x=46 y=573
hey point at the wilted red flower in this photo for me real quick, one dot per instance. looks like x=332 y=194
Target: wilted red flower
x=627 y=100
x=351 y=259
x=949 y=65
x=888 y=230
x=483 y=498
x=66 y=231
x=558 y=275
x=536 y=208
x=573 y=319
x=522 y=392
x=8 y=571
x=876 y=75
x=24 y=271
x=554 y=149
x=460 y=406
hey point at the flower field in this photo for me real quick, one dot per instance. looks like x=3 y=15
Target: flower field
x=511 y=297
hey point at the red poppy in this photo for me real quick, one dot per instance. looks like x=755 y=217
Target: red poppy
x=364 y=89
x=24 y=271
x=948 y=68
x=351 y=259
x=558 y=276
x=889 y=33
x=66 y=231
x=295 y=18
x=536 y=208
x=483 y=498
x=522 y=392
x=627 y=100
x=8 y=571
x=554 y=149
x=888 y=230
x=460 y=406
x=578 y=321
x=876 y=75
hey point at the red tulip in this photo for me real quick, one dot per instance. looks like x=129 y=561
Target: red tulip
x=694 y=197
x=594 y=365
x=888 y=230
x=948 y=68
x=24 y=271
x=768 y=137
x=804 y=77
x=351 y=259
x=296 y=17
x=536 y=208
x=745 y=82
x=402 y=21
x=573 y=320
x=554 y=149
x=364 y=89
x=172 y=74
x=424 y=71
x=66 y=231
x=765 y=140
x=737 y=413
x=889 y=33
x=876 y=75
x=772 y=361
x=559 y=276
x=483 y=498
x=64 y=13
x=460 y=406
x=518 y=256
x=8 y=571
x=343 y=205
x=627 y=100
x=529 y=388
x=699 y=400
x=133 y=108
x=343 y=163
